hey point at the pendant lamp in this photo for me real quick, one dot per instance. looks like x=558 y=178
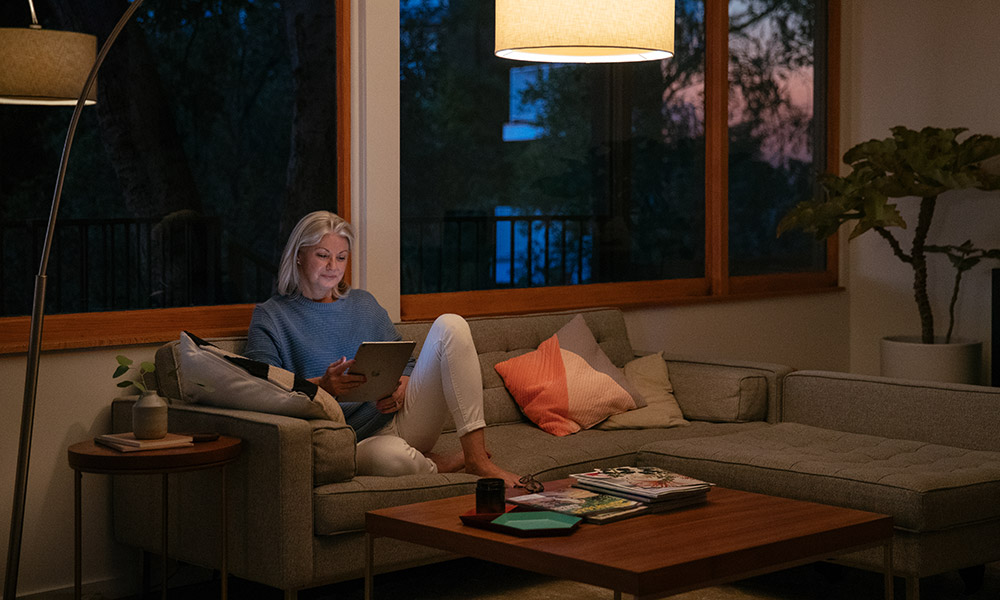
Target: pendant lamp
x=585 y=31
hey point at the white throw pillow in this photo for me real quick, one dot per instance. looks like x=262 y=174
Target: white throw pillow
x=213 y=376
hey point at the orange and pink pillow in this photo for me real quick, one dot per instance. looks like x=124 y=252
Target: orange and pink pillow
x=568 y=383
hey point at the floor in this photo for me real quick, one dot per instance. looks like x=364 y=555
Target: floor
x=477 y=580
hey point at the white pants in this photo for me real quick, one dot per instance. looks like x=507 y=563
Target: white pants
x=446 y=379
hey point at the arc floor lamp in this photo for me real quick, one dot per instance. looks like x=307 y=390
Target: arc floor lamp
x=45 y=67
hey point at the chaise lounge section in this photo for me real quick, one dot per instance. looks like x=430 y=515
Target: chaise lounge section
x=928 y=454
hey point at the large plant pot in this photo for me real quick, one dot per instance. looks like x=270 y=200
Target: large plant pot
x=904 y=356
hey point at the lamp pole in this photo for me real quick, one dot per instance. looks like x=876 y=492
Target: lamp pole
x=37 y=318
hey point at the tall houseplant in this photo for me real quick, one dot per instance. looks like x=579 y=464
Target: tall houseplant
x=922 y=164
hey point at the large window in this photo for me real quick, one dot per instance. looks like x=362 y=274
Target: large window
x=530 y=186
x=216 y=129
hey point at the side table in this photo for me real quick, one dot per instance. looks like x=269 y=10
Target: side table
x=90 y=457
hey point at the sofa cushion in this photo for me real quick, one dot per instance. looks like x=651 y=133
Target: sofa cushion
x=210 y=375
x=706 y=393
x=925 y=487
x=568 y=383
x=651 y=378
x=950 y=413
x=340 y=507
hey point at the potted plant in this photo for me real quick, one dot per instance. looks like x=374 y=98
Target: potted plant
x=923 y=164
x=149 y=413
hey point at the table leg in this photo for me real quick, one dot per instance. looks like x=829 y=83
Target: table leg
x=147 y=568
x=163 y=548
x=887 y=566
x=77 y=537
x=225 y=541
x=369 y=564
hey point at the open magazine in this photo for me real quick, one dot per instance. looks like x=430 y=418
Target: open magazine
x=574 y=501
x=645 y=483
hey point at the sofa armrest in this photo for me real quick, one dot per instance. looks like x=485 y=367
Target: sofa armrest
x=963 y=416
x=726 y=390
x=269 y=495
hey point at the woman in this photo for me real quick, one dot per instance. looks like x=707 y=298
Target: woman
x=316 y=322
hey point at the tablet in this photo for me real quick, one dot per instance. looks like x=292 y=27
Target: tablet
x=382 y=363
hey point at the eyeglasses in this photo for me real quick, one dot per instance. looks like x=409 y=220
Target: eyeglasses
x=532 y=485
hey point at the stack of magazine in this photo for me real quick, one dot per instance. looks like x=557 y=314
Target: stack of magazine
x=607 y=495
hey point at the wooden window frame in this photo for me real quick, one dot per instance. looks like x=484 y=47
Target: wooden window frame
x=717 y=285
x=119 y=328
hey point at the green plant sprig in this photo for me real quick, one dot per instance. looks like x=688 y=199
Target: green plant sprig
x=125 y=365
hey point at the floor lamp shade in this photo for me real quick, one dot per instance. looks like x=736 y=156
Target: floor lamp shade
x=585 y=31
x=45 y=66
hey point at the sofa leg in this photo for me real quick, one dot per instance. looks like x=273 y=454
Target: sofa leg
x=291 y=594
x=912 y=588
x=973 y=577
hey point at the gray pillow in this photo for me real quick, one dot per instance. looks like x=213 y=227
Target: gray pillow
x=213 y=376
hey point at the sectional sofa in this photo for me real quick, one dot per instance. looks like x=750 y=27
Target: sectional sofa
x=927 y=454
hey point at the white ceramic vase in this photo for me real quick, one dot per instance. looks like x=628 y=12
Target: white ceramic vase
x=149 y=416
x=904 y=356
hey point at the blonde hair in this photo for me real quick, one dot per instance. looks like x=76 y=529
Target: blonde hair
x=308 y=232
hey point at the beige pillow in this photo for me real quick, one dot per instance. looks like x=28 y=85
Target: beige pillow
x=650 y=377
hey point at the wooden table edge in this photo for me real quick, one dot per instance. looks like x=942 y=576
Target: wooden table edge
x=90 y=457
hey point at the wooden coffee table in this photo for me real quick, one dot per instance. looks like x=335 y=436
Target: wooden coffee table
x=734 y=536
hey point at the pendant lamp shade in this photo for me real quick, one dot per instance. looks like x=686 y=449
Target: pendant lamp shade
x=44 y=66
x=585 y=31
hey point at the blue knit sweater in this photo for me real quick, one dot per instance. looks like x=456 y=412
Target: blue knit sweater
x=304 y=337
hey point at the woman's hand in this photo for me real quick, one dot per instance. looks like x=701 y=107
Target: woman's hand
x=336 y=381
x=394 y=403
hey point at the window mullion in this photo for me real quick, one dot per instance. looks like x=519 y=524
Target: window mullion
x=717 y=146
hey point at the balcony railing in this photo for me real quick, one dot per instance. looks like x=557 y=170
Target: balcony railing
x=451 y=253
x=120 y=264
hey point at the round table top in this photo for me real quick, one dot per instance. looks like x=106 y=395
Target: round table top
x=91 y=457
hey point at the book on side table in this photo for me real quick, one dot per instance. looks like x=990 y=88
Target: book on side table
x=127 y=442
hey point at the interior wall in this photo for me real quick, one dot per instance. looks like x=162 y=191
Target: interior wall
x=803 y=332
x=920 y=63
x=73 y=404
x=375 y=122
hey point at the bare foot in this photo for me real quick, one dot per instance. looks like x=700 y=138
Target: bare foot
x=448 y=463
x=488 y=469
